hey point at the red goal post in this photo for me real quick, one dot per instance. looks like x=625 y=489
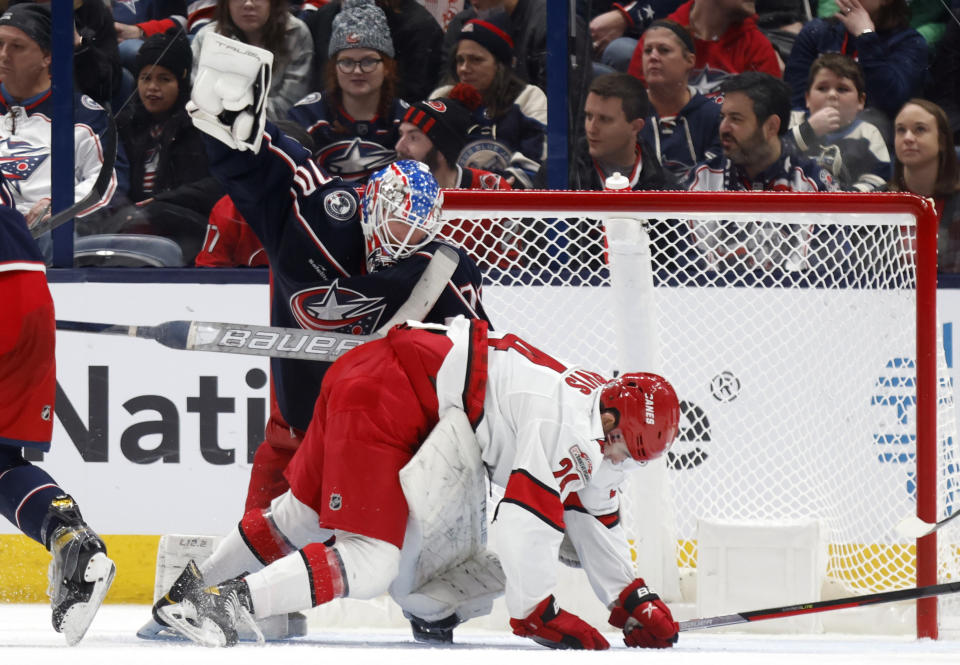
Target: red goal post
x=548 y=276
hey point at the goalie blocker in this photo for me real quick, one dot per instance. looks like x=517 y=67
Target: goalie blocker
x=557 y=438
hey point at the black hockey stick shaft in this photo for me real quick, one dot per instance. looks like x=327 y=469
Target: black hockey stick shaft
x=96 y=192
x=912 y=593
x=238 y=338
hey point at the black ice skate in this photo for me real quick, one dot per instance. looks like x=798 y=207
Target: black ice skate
x=80 y=572
x=433 y=632
x=207 y=615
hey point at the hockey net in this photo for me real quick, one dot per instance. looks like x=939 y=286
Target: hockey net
x=800 y=333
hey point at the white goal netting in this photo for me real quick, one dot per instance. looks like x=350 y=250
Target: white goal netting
x=790 y=333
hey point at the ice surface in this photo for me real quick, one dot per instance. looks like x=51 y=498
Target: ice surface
x=26 y=638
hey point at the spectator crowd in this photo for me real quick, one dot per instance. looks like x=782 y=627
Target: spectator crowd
x=840 y=95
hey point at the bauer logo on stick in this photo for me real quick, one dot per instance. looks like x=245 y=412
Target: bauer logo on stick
x=309 y=343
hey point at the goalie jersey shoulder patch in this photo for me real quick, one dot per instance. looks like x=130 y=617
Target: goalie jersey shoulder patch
x=339 y=205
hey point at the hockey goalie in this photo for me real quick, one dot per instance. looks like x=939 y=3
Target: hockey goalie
x=361 y=518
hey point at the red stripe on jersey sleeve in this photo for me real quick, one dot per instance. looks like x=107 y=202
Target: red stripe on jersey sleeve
x=530 y=494
x=608 y=520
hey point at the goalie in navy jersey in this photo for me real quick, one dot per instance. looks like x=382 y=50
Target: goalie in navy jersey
x=80 y=571
x=556 y=437
x=331 y=269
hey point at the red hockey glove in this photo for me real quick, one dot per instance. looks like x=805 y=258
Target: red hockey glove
x=645 y=619
x=558 y=629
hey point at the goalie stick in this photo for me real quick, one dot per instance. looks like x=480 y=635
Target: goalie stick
x=914 y=527
x=428 y=288
x=96 y=193
x=234 y=338
x=276 y=342
x=821 y=606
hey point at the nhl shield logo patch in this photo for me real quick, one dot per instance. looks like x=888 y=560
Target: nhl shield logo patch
x=336 y=502
x=46 y=412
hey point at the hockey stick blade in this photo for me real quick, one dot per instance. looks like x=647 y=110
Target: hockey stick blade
x=239 y=338
x=912 y=593
x=96 y=192
x=914 y=527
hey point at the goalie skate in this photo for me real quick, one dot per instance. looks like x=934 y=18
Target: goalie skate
x=208 y=616
x=80 y=573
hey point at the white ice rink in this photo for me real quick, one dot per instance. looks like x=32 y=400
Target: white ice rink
x=26 y=638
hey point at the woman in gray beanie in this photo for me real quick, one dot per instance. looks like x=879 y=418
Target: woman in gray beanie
x=269 y=25
x=355 y=121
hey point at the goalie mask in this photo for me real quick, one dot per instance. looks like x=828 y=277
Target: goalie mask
x=401 y=212
x=647 y=413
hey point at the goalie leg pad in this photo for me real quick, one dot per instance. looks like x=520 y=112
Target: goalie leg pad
x=445 y=488
x=466 y=590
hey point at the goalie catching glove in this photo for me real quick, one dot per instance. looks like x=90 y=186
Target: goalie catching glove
x=229 y=95
x=645 y=619
x=558 y=629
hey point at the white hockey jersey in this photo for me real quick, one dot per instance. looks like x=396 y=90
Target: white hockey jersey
x=540 y=437
x=25 y=149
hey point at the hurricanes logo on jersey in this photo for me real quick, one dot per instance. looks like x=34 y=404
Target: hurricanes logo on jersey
x=337 y=309
x=20 y=159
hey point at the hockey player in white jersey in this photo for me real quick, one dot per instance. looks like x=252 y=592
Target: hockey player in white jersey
x=556 y=438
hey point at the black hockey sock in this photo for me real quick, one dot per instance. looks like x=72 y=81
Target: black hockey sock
x=25 y=493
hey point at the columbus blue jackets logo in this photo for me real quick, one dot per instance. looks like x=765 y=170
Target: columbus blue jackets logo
x=337 y=309
x=486 y=154
x=707 y=80
x=355 y=159
x=20 y=160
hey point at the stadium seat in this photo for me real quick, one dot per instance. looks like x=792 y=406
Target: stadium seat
x=126 y=250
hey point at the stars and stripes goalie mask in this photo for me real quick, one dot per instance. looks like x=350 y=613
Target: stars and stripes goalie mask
x=401 y=212
x=646 y=414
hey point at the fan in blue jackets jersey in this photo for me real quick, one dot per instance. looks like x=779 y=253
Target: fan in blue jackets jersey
x=348 y=148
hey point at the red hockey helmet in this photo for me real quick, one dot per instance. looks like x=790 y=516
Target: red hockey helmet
x=647 y=413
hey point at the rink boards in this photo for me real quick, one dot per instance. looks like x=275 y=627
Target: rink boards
x=152 y=440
